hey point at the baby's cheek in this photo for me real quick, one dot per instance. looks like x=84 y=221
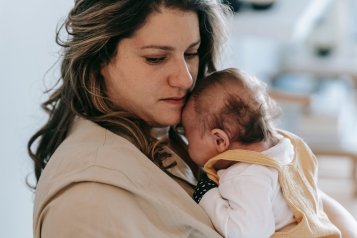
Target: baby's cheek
x=194 y=155
x=211 y=152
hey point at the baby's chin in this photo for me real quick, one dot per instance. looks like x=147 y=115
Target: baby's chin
x=199 y=162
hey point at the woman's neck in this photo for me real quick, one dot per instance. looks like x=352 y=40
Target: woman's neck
x=160 y=132
x=176 y=146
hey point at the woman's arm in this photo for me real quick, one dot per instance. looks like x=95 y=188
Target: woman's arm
x=339 y=216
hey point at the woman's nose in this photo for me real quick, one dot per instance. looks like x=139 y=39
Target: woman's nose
x=180 y=76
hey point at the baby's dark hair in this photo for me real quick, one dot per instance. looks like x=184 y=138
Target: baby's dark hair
x=244 y=110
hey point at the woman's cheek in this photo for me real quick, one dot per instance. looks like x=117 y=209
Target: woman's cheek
x=194 y=68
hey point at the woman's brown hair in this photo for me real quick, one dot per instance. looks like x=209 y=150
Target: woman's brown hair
x=94 y=28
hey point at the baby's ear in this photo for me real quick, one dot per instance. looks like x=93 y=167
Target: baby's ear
x=221 y=139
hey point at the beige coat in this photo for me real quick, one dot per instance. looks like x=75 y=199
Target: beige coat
x=98 y=184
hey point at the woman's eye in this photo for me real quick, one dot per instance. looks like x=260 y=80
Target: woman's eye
x=155 y=60
x=191 y=55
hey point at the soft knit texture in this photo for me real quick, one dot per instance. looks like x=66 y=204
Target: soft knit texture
x=298 y=180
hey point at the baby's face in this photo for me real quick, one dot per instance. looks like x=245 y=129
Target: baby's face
x=201 y=147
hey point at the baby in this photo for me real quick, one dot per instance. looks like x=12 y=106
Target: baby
x=261 y=181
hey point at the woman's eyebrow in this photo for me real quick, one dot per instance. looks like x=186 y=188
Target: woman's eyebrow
x=167 y=48
x=160 y=47
x=194 y=44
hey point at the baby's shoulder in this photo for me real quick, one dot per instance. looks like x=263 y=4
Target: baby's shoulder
x=242 y=170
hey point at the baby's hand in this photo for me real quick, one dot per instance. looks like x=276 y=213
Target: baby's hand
x=203 y=186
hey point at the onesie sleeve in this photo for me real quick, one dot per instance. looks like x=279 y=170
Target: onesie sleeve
x=241 y=207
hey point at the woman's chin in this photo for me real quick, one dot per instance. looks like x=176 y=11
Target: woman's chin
x=168 y=120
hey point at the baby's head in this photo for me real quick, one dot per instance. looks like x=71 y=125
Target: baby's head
x=228 y=109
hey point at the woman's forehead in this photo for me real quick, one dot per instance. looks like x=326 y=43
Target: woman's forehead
x=171 y=28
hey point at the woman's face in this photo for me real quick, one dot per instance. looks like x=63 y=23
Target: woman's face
x=154 y=69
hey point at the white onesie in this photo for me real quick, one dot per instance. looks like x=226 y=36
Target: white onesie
x=249 y=201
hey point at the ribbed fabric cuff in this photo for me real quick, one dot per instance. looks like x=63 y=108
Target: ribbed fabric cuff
x=203 y=186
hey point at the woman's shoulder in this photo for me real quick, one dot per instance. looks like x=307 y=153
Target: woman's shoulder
x=88 y=145
x=91 y=153
x=97 y=172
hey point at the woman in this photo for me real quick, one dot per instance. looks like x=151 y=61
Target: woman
x=127 y=67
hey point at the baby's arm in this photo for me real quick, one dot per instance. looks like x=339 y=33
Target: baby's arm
x=241 y=205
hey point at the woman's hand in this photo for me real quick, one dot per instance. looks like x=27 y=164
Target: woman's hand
x=339 y=216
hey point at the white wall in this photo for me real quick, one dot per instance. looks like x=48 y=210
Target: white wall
x=27 y=51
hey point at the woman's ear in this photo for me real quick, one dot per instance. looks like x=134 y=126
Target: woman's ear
x=221 y=140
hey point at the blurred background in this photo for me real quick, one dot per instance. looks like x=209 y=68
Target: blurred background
x=305 y=50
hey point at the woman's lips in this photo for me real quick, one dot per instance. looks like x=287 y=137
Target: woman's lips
x=175 y=100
